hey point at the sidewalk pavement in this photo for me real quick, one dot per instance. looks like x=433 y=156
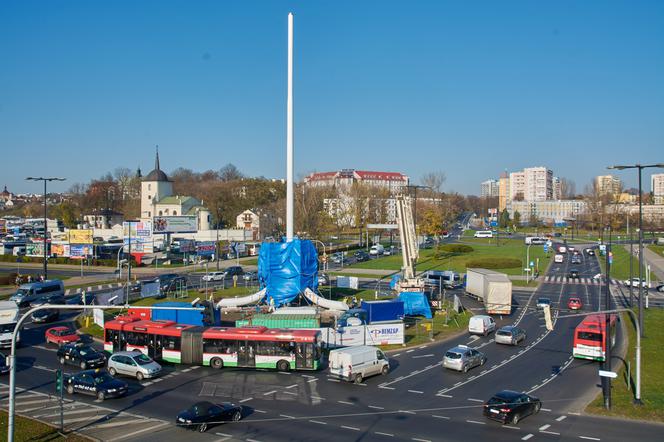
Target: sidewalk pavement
x=651 y=258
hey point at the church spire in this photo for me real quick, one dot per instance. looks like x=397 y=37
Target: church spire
x=156 y=160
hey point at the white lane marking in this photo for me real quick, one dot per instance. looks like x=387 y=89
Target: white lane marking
x=409 y=351
x=290 y=392
x=312 y=380
x=398 y=354
x=269 y=393
x=419 y=440
x=223 y=434
x=546 y=409
x=445 y=395
x=589 y=438
x=511 y=427
x=346 y=403
x=292 y=386
x=142 y=430
x=376 y=407
x=286 y=416
x=544 y=427
x=439 y=417
x=383 y=434
x=561 y=418
x=350 y=428
x=475 y=400
x=575 y=413
x=407 y=412
x=253 y=440
x=527 y=436
x=424 y=356
x=422 y=346
x=317 y=422
x=416 y=391
x=386 y=388
x=260 y=411
x=475 y=422
x=550 y=432
x=246 y=400
x=385 y=384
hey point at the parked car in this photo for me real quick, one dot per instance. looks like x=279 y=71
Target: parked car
x=97 y=383
x=203 y=415
x=391 y=250
x=323 y=279
x=574 y=303
x=634 y=282
x=463 y=358
x=46 y=315
x=213 y=276
x=4 y=368
x=250 y=276
x=543 y=302
x=510 y=406
x=573 y=274
x=361 y=256
x=510 y=335
x=134 y=364
x=82 y=355
x=337 y=258
x=61 y=335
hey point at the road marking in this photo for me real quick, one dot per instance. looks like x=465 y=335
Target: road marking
x=475 y=400
x=246 y=400
x=420 y=440
x=286 y=416
x=422 y=346
x=290 y=392
x=511 y=427
x=527 y=436
x=575 y=413
x=398 y=354
x=589 y=438
x=424 y=356
x=317 y=422
x=383 y=434
x=545 y=409
x=445 y=395
x=416 y=391
x=410 y=351
x=312 y=380
x=475 y=422
x=292 y=386
x=407 y=412
x=439 y=417
x=350 y=428
x=376 y=407
x=561 y=418
x=269 y=393
x=253 y=440
x=346 y=403
x=386 y=388
x=260 y=411
x=550 y=432
x=544 y=427
x=318 y=398
x=142 y=430
x=334 y=380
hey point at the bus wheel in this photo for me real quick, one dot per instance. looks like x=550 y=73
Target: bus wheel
x=283 y=365
x=217 y=363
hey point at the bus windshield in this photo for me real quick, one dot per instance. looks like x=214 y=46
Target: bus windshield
x=589 y=336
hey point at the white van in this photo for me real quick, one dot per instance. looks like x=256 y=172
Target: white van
x=353 y=364
x=376 y=250
x=483 y=234
x=27 y=293
x=558 y=258
x=481 y=325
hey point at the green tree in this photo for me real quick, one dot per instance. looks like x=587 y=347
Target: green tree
x=517 y=218
x=504 y=218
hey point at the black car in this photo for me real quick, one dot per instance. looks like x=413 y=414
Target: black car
x=202 y=415
x=4 y=368
x=82 y=355
x=574 y=274
x=660 y=288
x=46 y=315
x=97 y=383
x=511 y=406
x=361 y=256
x=576 y=259
x=170 y=282
x=48 y=299
x=84 y=298
x=232 y=271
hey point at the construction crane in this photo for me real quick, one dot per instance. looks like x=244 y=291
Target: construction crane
x=409 y=248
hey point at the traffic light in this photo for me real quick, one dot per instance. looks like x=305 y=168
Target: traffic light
x=208 y=313
x=59 y=382
x=547 y=317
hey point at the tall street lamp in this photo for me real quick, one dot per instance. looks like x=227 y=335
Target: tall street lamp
x=640 y=167
x=45 y=180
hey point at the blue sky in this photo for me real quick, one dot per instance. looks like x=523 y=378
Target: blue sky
x=468 y=88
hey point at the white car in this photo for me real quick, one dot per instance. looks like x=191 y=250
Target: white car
x=213 y=276
x=559 y=258
x=634 y=282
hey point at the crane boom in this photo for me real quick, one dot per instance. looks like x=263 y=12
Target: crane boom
x=409 y=247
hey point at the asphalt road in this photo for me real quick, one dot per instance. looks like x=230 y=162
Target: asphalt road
x=418 y=400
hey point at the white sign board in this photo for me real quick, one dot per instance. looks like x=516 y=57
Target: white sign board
x=607 y=374
x=98 y=315
x=378 y=334
x=348 y=282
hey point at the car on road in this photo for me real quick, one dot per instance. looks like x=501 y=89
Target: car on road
x=82 y=355
x=4 y=368
x=576 y=259
x=361 y=256
x=590 y=252
x=250 y=276
x=634 y=282
x=573 y=274
x=171 y=281
x=61 y=335
x=660 y=288
x=356 y=363
x=562 y=249
x=97 y=383
x=203 y=415
x=233 y=271
x=337 y=258
x=213 y=276
x=510 y=335
x=323 y=279
x=391 y=250
x=559 y=258
x=481 y=325
x=511 y=406
x=574 y=303
x=84 y=298
x=571 y=249
x=49 y=299
x=543 y=302
x=463 y=358
x=46 y=315
x=134 y=364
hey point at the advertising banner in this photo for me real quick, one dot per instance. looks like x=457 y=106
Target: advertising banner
x=175 y=224
x=80 y=251
x=59 y=249
x=98 y=316
x=187 y=246
x=3 y=225
x=34 y=249
x=205 y=248
x=380 y=334
x=348 y=282
x=141 y=236
x=80 y=236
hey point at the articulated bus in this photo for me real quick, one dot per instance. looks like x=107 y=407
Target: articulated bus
x=590 y=337
x=217 y=347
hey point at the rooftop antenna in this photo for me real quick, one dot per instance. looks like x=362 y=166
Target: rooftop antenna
x=289 y=135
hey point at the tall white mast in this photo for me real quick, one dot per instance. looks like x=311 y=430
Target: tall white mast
x=289 y=135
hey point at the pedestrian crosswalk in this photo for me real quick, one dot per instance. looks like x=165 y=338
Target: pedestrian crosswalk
x=568 y=280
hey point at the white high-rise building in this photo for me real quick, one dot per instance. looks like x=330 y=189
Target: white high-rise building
x=489 y=188
x=557 y=188
x=517 y=186
x=608 y=185
x=538 y=184
x=657 y=187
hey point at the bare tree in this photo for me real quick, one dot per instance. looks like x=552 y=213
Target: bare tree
x=230 y=173
x=434 y=180
x=567 y=188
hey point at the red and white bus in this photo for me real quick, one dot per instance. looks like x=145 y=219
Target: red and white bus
x=217 y=347
x=590 y=337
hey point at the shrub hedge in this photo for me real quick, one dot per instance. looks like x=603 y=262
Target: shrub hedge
x=36 y=259
x=456 y=248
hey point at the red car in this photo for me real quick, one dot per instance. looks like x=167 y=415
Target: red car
x=61 y=335
x=574 y=304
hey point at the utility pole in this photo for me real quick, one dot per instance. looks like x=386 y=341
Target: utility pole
x=606 y=382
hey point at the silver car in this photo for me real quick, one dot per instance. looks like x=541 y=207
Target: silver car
x=510 y=335
x=463 y=358
x=134 y=364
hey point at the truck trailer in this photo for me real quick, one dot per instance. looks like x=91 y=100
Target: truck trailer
x=494 y=289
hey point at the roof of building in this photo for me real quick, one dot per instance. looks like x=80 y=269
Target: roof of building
x=6 y=192
x=195 y=209
x=369 y=175
x=157 y=174
x=357 y=174
x=182 y=199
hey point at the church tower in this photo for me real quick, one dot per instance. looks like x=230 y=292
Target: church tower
x=154 y=187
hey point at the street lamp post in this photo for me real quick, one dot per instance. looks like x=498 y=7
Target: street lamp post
x=45 y=180
x=607 y=301
x=639 y=167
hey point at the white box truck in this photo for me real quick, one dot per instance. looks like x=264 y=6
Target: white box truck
x=494 y=289
x=353 y=364
x=8 y=320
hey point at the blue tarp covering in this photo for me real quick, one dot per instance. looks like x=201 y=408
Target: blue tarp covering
x=415 y=304
x=286 y=269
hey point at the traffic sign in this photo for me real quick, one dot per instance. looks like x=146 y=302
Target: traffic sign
x=532 y=263
x=610 y=257
x=546 y=248
x=608 y=374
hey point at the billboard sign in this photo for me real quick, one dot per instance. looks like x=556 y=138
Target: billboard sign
x=175 y=224
x=34 y=249
x=59 y=249
x=80 y=251
x=3 y=225
x=205 y=248
x=80 y=236
x=187 y=245
x=140 y=234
